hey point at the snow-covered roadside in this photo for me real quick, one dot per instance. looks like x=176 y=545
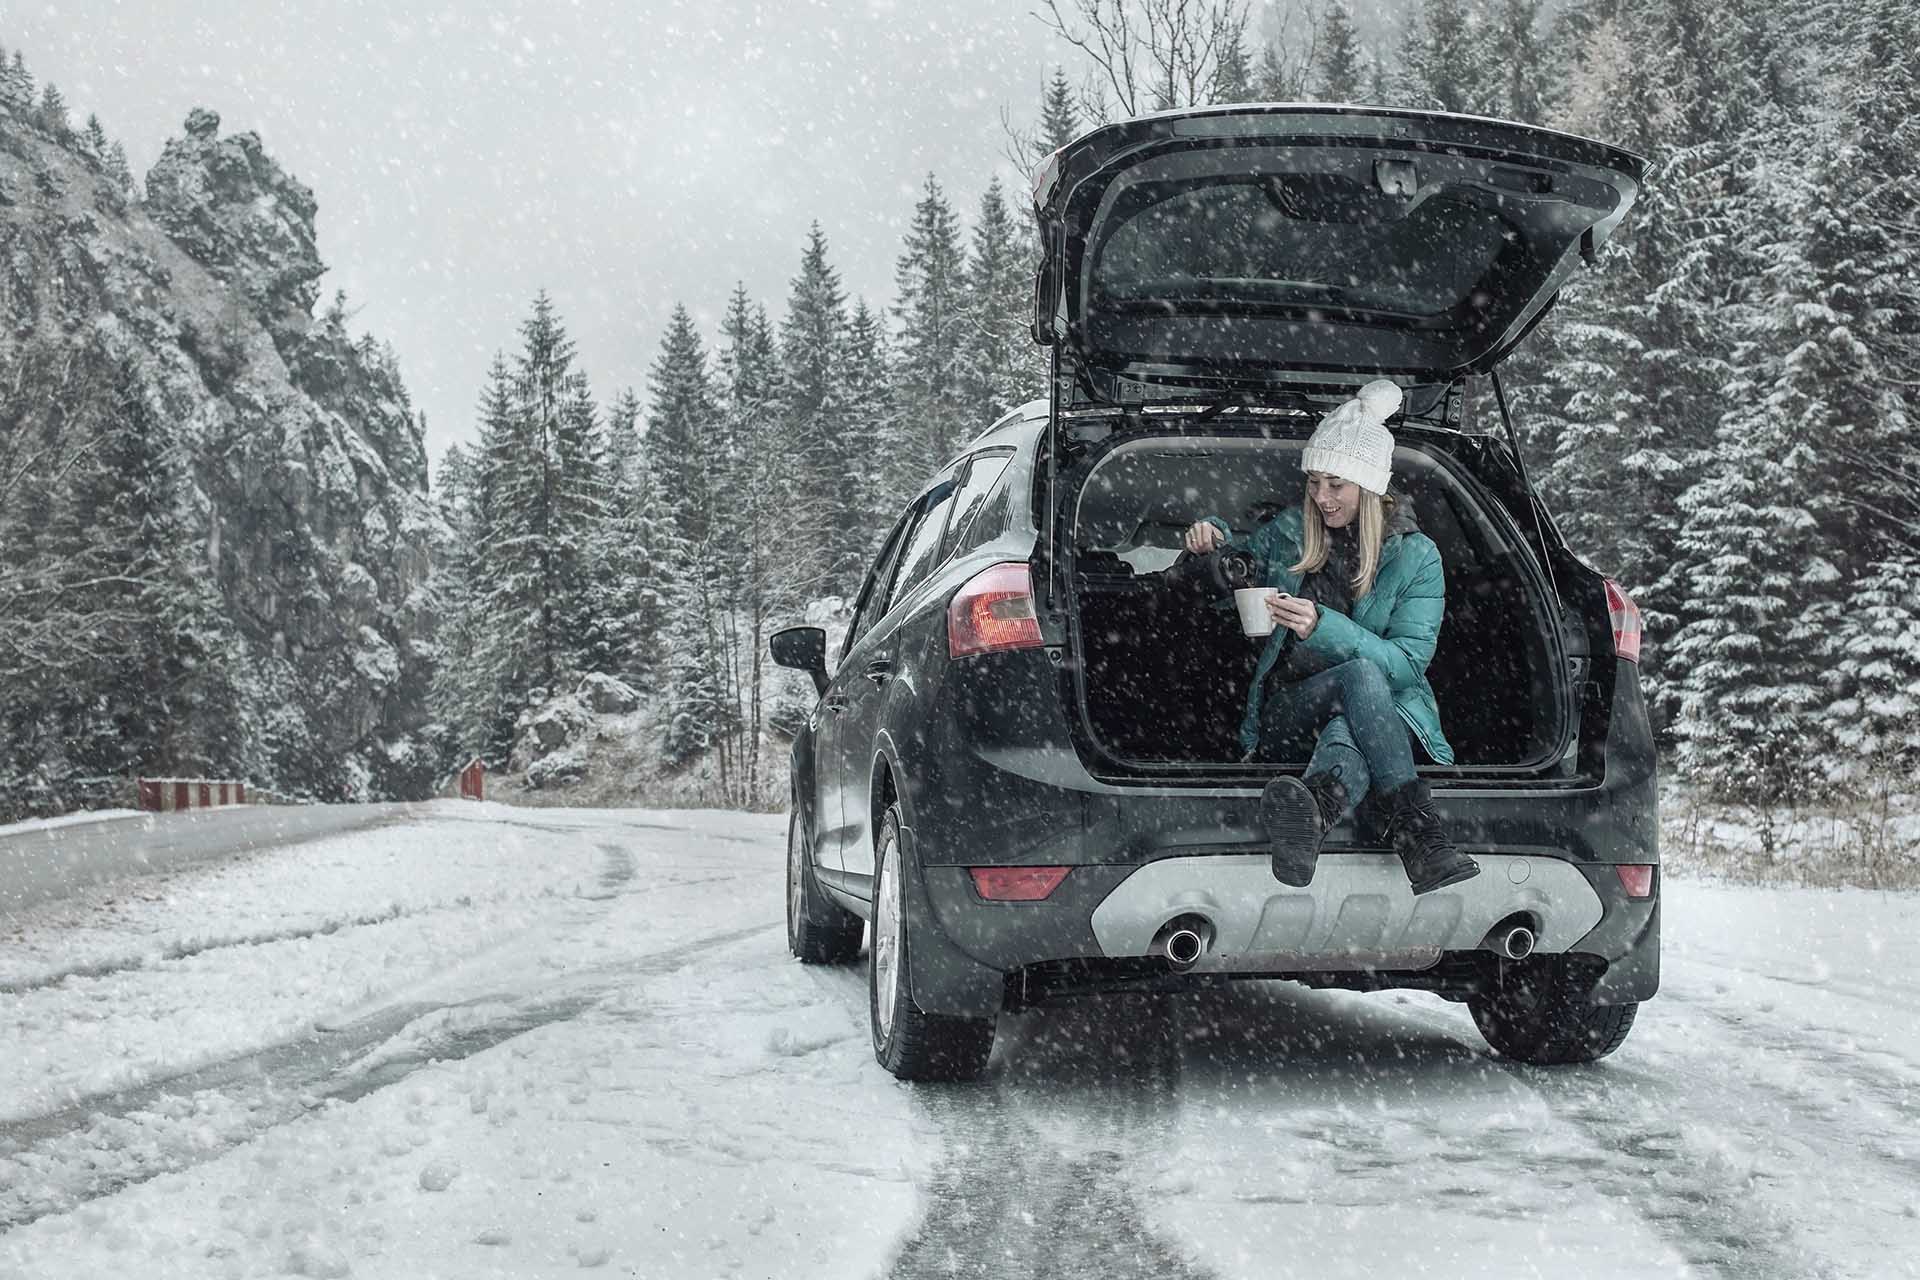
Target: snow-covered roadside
x=78 y=818
x=638 y=1077
x=149 y=977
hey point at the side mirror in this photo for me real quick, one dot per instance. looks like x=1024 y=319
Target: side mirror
x=803 y=649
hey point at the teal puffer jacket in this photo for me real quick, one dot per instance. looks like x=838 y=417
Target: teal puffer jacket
x=1395 y=626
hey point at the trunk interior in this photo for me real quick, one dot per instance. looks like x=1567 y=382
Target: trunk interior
x=1166 y=667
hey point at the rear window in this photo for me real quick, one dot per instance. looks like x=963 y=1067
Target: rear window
x=1293 y=239
x=922 y=545
x=980 y=512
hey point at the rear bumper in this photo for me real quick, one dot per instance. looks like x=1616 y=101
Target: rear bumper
x=973 y=798
x=1358 y=917
x=1147 y=858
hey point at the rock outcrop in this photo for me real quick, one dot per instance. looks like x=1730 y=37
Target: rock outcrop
x=307 y=464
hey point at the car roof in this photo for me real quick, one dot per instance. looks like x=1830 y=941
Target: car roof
x=1032 y=413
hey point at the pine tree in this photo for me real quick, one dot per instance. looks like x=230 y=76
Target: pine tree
x=1446 y=60
x=546 y=506
x=1059 y=118
x=629 y=559
x=53 y=111
x=1753 y=706
x=998 y=368
x=824 y=527
x=479 y=682
x=872 y=423
x=1842 y=333
x=930 y=304
x=686 y=458
x=1274 y=80
x=1517 y=52
x=93 y=140
x=1233 y=74
x=118 y=169
x=1636 y=363
x=1340 y=73
x=16 y=83
x=787 y=520
x=158 y=674
x=681 y=425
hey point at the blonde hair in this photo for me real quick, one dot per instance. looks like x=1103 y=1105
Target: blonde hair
x=1372 y=519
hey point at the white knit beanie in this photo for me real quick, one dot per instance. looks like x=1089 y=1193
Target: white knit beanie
x=1353 y=442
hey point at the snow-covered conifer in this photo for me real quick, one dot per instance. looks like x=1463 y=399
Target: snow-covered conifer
x=1059 y=116
x=930 y=306
x=999 y=367
x=824 y=528
x=1340 y=71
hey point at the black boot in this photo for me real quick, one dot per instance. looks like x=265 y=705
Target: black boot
x=1296 y=816
x=1430 y=858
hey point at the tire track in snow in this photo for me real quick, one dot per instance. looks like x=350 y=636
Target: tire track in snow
x=1707 y=1211
x=186 y=949
x=108 y=1142
x=1893 y=1080
x=1638 y=1156
x=1005 y=1201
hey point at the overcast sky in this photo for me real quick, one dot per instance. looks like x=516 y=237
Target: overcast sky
x=622 y=154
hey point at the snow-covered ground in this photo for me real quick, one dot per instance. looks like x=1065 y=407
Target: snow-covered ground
x=504 y=1042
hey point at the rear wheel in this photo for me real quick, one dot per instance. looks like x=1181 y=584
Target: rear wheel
x=819 y=930
x=911 y=1044
x=1541 y=1013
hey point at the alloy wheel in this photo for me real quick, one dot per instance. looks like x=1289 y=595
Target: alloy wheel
x=886 y=937
x=796 y=882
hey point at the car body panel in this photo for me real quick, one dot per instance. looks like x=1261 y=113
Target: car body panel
x=1199 y=245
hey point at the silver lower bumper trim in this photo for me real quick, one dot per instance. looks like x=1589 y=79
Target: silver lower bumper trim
x=1358 y=912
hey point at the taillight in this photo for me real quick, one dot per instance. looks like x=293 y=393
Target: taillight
x=993 y=613
x=1017 y=884
x=1626 y=622
x=1636 y=879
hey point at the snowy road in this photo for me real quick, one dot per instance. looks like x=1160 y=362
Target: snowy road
x=496 y=1042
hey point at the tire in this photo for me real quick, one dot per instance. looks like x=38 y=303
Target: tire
x=1540 y=1014
x=819 y=930
x=911 y=1044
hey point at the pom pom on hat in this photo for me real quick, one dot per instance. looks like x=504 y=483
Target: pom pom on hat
x=1381 y=398
x=1352 y=442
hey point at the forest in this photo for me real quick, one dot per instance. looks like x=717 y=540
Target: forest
x=1719 y=414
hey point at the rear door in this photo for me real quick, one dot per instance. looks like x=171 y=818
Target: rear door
x=1241 y=246
x=870 y=667
x=829 y=756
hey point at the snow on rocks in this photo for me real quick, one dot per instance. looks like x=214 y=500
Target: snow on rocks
x=319 y=1260
x=438 y=1176
x=607 y=696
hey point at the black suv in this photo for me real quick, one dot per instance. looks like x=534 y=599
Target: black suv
x=1024 y=769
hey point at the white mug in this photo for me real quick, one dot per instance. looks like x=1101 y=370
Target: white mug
x=1255 y=619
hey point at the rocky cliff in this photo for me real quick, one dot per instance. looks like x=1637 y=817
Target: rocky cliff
x=306 y=471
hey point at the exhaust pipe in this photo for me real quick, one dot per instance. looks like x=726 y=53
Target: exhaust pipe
x=1184 y=940
x=1515 y=943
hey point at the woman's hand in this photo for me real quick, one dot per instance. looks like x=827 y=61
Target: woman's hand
x=1203 y=536
x=1295 y=613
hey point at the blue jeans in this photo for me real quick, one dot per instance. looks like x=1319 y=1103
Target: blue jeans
x=1345 y=717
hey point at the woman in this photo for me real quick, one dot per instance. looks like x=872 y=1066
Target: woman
x=1343 y=676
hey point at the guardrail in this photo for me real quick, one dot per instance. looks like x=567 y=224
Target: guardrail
x=167 y=795
x=43 y=863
